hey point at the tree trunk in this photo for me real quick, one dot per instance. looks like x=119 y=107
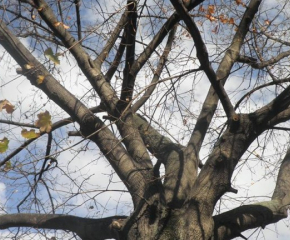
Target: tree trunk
x=158 y=222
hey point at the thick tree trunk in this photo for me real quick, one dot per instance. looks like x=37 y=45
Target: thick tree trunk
x=158 y=222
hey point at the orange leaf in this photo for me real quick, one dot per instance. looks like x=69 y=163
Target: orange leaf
x=210 y=9
x=211 y=18
x=231 y=21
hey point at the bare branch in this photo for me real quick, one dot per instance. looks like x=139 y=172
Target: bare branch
x=203 y=58
x=130 y=35
x=89 y=229
x=277 y=82
x=157 y=72
x=17 y=123
x=158 y=38
x=112 y=40
x=92 y=72
x=261 y=65
x=210 y=103
x=91 y=125
x=230 y=224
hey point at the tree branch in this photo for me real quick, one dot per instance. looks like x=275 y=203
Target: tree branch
x=86 y=64
x=112 y=40
x=277 y=82
x=264 y=64
x=230 y=224
x=178 y=173
x=158 y=38
x=272 y=109
x=157 y=72
x=91 y=126
x=203 y=58
x=130 y=35
x=87 y=229
x=210 y=104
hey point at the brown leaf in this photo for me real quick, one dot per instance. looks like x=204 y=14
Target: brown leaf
x=5 y=104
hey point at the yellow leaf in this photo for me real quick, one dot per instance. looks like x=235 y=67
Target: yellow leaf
x=4 y=145
x=44 y=122
x=29 y=134
x=54 y=58
x=5 y=104
x=40 y=79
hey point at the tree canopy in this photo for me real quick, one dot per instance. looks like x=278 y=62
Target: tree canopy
x=146 y=119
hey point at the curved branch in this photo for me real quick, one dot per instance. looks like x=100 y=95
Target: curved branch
x=264 y=64
x=87 y=229
x=55 y=126
x=210 y=104
x=260 y=87
x=202 y=55
x=159 y=37
x=230 y=224
x=91 y=125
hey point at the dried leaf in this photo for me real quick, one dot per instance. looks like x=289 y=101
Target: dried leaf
x=211 y=9
x=5 y=104
x=232 y=21
x=44 y=122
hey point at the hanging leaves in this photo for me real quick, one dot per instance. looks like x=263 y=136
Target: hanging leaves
x=44 y=122
x=4 y=145
x=5 y=104
x=29 y=134
x=52 y=57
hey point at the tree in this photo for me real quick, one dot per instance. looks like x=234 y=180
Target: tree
x=142 y=65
